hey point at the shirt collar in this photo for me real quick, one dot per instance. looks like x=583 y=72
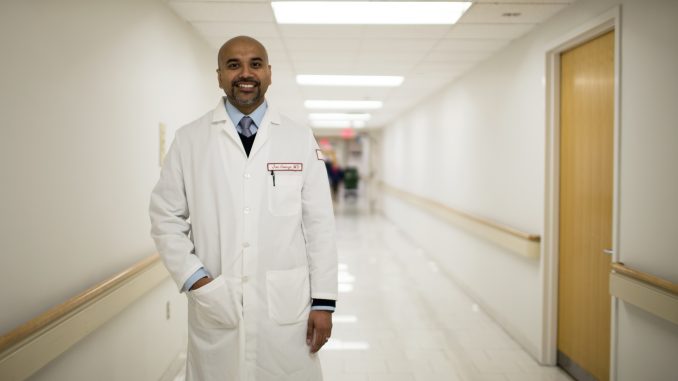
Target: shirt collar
x=256 y=115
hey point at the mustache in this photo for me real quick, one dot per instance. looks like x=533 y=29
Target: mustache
x=236 y=82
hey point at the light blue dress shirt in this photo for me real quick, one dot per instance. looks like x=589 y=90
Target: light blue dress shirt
x=256 y=115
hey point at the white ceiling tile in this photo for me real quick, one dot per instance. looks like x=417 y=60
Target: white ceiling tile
x=531 y=13
x=379 y=67
x=220 y=1
x=391 y=56
x=213 y=11
x=318 y=45
x=410 y=45
x=470 y=45
x=526 y=1
x=429 y=57
x=435 y=69
x=496 y=31
x=350 y=67
x=405 y=31
x=320 y=31
x=325 y=57
x=229 y=29
x=451 y=56
x=337 y=68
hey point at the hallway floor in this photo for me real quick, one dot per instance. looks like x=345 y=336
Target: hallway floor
x=400 y=318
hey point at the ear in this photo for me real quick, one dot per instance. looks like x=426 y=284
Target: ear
x=219 y=79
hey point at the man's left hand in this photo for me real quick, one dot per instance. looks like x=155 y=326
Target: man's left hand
x=319 y=329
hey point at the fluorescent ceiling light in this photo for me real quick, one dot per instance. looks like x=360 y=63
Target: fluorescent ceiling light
x=350 y=80
x=369 y=12
x=339 y=116
x=343 y=105
x=337 y=123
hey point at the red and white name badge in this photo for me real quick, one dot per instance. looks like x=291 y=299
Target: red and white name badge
x=289 y=167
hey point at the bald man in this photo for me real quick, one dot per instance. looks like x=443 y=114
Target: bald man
x=258 y=259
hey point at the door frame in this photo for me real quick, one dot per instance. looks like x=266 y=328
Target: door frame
x=608 y=21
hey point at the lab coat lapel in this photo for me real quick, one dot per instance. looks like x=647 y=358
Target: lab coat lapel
x=219 y=116
x=271 y=120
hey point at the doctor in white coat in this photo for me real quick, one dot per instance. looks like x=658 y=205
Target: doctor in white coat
x=242 y=217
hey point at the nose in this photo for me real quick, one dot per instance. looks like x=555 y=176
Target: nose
x=245 y=72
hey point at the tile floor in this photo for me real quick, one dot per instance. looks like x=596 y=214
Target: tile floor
x=400 y=319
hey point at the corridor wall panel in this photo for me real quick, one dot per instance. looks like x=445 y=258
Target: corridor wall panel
x=479 y=146
x=649 y=181
x=83 y=88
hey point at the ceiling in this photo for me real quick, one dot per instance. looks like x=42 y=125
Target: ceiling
x=429 y=57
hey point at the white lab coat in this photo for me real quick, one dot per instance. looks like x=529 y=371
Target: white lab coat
x=271 y=248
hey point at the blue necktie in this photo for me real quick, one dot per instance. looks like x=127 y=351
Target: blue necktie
x=244 y=125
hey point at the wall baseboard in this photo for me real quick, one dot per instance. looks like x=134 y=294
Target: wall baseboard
x=175 y=368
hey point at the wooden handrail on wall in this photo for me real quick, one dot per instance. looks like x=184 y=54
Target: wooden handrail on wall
x=519 y=242
x=35 y=343
x=652 y=280
x=651 y=293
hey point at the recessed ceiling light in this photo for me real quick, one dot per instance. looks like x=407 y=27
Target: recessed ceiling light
x=369 y=12
x=350 y=80
x=343 y=105
x=339 y=116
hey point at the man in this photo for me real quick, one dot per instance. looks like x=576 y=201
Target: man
x=258 y=258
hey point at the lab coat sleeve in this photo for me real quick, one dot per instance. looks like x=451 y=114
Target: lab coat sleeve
x=318 y=226
x=169 y=219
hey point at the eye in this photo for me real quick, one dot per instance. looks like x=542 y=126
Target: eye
x=232 y=65
x=256 y=65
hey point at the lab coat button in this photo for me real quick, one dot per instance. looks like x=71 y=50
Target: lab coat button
x=246 y=210
x=246 y=244
x=247 y=176
x=245 y=279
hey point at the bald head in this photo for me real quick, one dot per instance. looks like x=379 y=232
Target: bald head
x=241 y=40
x=244 y=73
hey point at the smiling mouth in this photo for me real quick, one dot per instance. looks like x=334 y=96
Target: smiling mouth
x=246 y=84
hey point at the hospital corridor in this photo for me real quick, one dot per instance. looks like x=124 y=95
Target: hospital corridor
x=403 y=318
x=371 y=190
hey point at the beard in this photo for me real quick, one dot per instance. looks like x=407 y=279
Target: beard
x=245 y=101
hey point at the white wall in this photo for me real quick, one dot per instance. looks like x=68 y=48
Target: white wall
x=479 y=145
x=139 y=344
x=83 y=87
x=648 y=346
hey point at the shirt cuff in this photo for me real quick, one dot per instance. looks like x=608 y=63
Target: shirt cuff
x=199 y=274
x=323 y=305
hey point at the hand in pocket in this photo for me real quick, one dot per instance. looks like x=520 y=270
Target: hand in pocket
x=217 y=304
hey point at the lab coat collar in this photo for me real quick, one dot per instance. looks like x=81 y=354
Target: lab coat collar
x=271 y=118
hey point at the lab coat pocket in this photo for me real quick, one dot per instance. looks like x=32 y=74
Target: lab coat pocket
x=217 y=303
x=284 y=193
x=289 y=295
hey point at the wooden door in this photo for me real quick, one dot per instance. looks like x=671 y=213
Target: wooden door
x=586 y=173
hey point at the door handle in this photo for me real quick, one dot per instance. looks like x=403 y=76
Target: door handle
x=609 y=252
